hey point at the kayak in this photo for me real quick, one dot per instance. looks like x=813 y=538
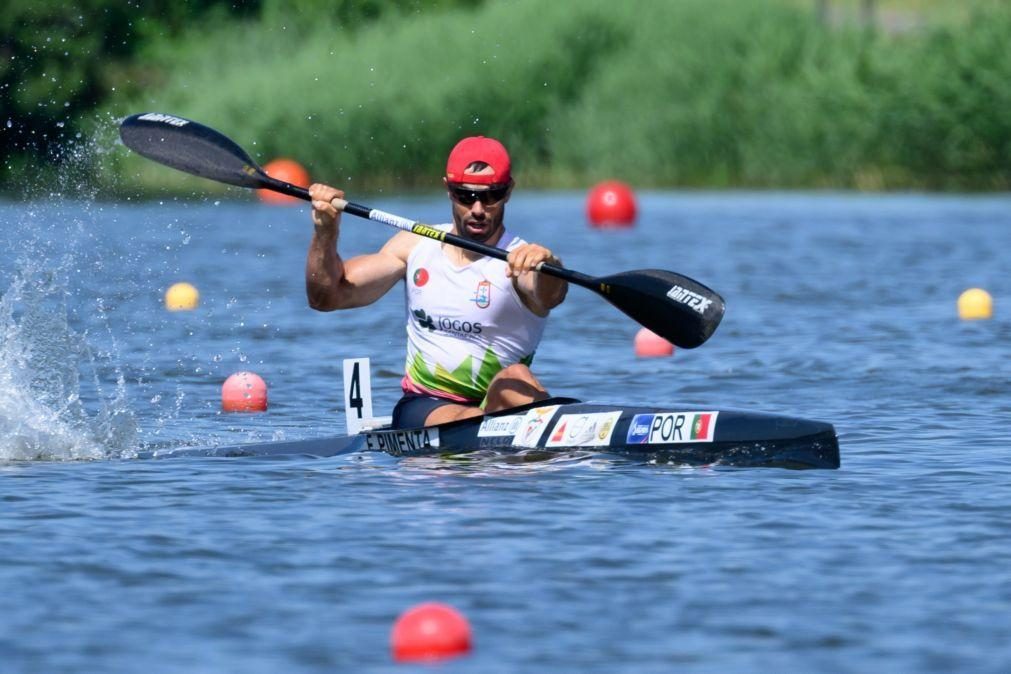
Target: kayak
x=668 y=435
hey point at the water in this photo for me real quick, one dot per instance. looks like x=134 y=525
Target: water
x=840 y=308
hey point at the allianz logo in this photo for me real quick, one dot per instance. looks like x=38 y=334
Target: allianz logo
x=445 y=324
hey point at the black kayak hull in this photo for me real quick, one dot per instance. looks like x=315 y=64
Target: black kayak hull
x=671 y=434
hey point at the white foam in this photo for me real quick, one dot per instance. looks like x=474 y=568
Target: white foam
x=42 y=415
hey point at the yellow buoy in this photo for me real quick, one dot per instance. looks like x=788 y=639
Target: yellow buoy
x=181 y=297
x=975 y=304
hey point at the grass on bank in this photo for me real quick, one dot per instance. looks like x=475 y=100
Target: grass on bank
x=701 y=93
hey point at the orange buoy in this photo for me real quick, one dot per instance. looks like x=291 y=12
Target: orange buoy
x=648 y=344
x=244 y=392
x=430 y=631
x=611 y=204
x=289 y=171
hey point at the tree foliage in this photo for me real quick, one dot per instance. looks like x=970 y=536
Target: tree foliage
x=60 y=58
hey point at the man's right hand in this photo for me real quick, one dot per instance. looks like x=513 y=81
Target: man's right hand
x=325 y=217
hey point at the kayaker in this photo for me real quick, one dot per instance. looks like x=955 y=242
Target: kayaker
x=474 y=322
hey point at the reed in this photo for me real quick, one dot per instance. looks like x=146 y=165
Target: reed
x=690 y=93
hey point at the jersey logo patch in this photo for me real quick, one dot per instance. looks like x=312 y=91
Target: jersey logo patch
x=424 y=320
x=421 y=277
x=482 y=296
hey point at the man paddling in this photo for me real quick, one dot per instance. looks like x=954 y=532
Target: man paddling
x=474 y=322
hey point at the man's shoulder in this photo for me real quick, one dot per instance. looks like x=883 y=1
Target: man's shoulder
x=417 y=241
x=401 y=244
x=509 y=240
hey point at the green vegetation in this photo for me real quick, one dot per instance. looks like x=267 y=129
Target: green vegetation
x=686 y=93
x=769 y=98
x=59 y=59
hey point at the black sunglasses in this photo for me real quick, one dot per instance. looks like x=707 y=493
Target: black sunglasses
x=467 y=197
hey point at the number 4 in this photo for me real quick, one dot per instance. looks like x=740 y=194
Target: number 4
x=355 y=400
x=357 y=393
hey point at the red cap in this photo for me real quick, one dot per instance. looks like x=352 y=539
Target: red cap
x=478 y=148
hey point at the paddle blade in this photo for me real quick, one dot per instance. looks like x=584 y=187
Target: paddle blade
x=679 y=309
x=192 y=148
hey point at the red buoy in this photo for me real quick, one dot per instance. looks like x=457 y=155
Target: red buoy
x=430 y=631
x=244 y=392
x=289 y=171
x=611 y=204
x=648 y=344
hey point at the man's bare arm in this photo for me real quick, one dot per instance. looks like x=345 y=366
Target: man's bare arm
x=330 y=282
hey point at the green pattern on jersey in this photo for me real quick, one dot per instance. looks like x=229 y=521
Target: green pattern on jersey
x=461 y=381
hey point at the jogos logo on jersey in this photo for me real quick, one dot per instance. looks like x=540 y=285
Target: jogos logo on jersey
x=454 y=325
x=672 y=428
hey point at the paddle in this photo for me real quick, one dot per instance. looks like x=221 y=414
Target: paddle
x=673 y=306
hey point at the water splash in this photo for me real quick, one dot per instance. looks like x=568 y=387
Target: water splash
x=42 y=415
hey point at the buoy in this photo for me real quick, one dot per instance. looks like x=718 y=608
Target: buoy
x=648 y=344
x=975 y=304
x=289 y=171
x=181 y=297
x=430 y=631
x=611 y=204
x=244 y=392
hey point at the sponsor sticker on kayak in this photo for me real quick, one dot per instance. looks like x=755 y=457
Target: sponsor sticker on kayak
x=584 y=430
x=500 y=427
x=667 y=428
x=402 y=442
x=532 y=426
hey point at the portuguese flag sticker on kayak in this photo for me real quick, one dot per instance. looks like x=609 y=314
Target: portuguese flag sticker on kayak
x=701 y=426
x=672 y=428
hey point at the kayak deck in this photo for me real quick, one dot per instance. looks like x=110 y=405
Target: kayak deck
x=651 y=434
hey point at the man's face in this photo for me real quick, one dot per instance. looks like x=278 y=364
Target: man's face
x=478 y=210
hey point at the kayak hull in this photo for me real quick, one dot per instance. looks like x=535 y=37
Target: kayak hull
x=670 y=435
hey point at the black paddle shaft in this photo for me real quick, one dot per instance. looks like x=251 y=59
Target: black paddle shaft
x=677 y=308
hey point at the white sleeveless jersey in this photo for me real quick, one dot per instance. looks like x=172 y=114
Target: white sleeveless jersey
x=464 y=324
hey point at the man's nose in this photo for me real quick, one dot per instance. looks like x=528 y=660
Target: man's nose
x=477 y=208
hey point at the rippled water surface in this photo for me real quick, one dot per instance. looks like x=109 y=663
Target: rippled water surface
x=839 y=307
